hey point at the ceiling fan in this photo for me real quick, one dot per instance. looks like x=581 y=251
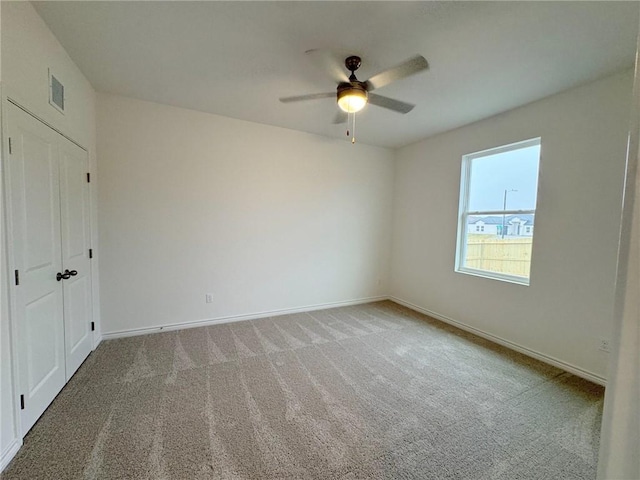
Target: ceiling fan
x=353 y=95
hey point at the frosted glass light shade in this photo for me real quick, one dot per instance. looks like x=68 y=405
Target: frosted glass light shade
x=352 y=100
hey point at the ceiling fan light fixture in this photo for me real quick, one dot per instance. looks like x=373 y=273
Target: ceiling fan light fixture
x=352 y=98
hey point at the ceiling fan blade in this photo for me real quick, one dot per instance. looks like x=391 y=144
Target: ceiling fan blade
x=390 y=103
x=311 y=96
x=406 y=69
x=341 y=117
x=328 y=62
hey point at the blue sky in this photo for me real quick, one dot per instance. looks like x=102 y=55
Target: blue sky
x=493 y=174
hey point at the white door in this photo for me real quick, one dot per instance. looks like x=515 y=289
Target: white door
x=76 y=231
x=34 y=212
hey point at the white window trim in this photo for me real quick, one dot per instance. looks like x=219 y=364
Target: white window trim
x=463 y=213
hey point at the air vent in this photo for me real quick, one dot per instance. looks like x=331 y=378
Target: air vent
x=56 y=92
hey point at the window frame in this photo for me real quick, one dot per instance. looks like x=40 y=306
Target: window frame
x=464 y=213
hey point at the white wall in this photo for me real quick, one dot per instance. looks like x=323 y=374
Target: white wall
x=29 y=49
x=263 y=218
x=8 y=426
x=620 y=441
x=620 y=435
x=569 y=304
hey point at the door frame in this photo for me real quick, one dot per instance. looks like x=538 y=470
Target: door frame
x=7 y=232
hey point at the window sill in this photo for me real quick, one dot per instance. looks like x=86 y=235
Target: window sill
x=495 y=276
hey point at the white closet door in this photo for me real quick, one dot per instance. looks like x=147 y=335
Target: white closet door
x=75 y=221
x=33 y=178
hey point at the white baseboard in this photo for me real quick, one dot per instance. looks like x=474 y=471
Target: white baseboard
x=506 y=343
x=9 y=453
x=238 y=318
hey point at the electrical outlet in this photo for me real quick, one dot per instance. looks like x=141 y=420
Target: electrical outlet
x=208 y=298
x=604 y=345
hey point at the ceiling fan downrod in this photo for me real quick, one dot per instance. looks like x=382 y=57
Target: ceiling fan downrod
x=353 y=63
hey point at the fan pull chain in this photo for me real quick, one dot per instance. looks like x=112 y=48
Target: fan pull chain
x=353 y=137
x=351 y=118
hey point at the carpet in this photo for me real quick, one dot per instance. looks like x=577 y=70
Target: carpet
x=373 y=391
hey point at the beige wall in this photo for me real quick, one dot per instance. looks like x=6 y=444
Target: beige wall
x=568 y=306
x=264 y=218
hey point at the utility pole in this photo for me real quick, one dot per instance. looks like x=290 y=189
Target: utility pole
x=504 y=210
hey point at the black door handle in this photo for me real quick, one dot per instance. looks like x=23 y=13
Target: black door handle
x=63 y=276
x=66 y=275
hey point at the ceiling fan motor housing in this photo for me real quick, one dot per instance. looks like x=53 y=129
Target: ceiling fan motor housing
x=352 y=63
x=352 y=96
x=352 y=87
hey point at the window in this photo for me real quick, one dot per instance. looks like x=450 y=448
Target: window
x=498 y=192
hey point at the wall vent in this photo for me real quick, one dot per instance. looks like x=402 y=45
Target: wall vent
x=56 y=92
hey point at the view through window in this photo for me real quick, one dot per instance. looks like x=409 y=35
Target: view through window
x=497 y=211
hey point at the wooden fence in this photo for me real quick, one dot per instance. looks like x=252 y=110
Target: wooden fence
x=509 y=255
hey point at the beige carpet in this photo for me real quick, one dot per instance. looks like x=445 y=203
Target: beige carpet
x=371 y=391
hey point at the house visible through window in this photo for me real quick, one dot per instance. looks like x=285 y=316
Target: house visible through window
x=498 y=193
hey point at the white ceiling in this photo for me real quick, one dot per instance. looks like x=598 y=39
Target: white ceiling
x=237 y=58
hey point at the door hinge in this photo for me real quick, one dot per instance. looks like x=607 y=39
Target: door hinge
x=10 y=148
x=88 y=177
x=91 y=253
x=93 y=326
x=21 y=402
x=17 y=276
